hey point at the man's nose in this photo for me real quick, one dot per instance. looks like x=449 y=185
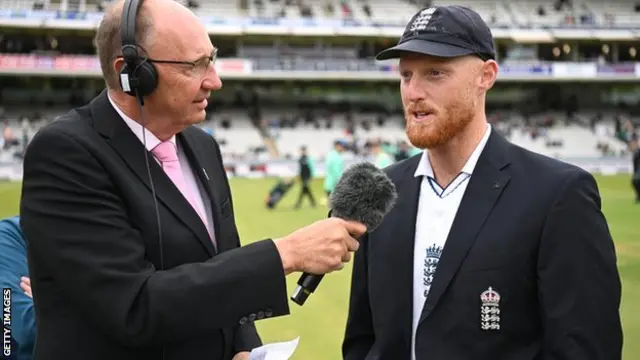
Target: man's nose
x=212 y=81
x=414 y=90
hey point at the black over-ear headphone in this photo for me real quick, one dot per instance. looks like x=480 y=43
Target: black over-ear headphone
x=138 y=76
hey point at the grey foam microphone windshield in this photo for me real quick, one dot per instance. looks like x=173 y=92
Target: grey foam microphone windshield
x=364 y=194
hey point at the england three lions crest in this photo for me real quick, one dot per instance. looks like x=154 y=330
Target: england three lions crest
x=430 y=265
x=490 y=310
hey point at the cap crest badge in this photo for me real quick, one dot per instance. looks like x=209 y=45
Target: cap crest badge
x=422 y=20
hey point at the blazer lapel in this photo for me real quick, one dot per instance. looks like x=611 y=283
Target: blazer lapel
x=486 y=184
x=397 y=241
x=109 y=124
x=205 y=173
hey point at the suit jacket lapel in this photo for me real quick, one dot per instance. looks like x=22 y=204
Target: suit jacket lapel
x=206 y=174
x=109 y=124
x=485 y=186
x=397 y=241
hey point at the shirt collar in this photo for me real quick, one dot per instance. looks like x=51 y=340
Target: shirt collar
x=138 y=130
x=424 y=166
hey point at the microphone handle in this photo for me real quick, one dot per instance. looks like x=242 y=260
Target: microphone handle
x=307 y=284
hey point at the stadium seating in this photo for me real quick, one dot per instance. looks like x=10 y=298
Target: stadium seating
x=537 y=13
x=575 y=140
x=220 y=8
x=492 y=11
x=240 y=138
x=16 y=4
x=383 y=11
x=617 y=12
x=541 y=13
x=243 y=140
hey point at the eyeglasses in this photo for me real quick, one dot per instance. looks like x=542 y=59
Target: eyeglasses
x=198 y=68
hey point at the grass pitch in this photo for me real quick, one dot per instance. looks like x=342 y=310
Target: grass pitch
x=320 y=323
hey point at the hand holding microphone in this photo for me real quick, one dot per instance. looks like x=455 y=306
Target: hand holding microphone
x=362 y=198
x=321 y=247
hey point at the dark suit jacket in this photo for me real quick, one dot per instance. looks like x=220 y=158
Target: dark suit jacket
x=528 y=226
x=93 y=249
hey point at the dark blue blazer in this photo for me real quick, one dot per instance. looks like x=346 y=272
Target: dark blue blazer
x=528 y=226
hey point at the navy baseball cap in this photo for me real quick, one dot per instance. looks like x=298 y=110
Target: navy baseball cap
x=444 y=31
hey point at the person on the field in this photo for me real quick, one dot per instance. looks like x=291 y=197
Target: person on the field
x=114 y=279
x=334 y=166
x=381 y=158
x=492 y=251
x=306 y=170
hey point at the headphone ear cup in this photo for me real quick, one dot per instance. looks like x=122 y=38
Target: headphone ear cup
x=147 y=78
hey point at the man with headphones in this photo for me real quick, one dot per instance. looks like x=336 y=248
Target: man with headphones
x=127 y=212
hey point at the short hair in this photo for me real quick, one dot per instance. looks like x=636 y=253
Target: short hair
x=108 y=40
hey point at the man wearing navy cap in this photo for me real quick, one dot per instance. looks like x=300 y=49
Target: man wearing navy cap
x=492 y=251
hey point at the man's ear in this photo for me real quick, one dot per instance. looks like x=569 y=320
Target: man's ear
x=489 y=74
x=117 y=64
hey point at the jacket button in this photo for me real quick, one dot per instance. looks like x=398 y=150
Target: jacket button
x=243 y=320
x=260 y=315
x=268 y=313
x=252 y=317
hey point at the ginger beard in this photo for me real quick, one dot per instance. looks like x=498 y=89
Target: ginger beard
x=442 y=123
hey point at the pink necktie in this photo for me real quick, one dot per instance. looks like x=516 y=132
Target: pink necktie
x=167 y=154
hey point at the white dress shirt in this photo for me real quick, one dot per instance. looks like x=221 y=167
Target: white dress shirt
x=437 y=209
x=201 y=201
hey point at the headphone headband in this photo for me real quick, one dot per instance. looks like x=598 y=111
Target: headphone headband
x=128 y=29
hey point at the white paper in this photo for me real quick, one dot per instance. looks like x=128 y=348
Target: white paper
x=275 y=351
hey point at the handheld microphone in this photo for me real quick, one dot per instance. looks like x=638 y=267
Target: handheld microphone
x=364 y=194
